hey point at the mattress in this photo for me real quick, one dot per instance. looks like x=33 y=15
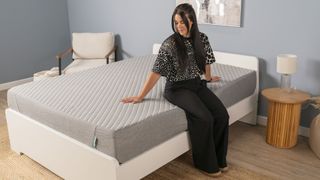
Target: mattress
x=86 y=105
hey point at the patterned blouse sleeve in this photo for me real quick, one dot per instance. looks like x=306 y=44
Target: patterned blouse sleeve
x=162 y=63
x=208 y=50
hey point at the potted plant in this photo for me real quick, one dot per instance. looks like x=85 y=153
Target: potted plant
x=314 y=139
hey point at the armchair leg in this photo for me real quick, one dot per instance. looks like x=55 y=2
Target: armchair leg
x=59 y=66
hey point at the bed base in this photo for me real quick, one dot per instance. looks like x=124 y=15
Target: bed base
x=71 y=159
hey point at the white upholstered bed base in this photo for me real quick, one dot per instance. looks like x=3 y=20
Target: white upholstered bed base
x=71 y=159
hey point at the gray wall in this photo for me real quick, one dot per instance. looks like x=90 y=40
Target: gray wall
x=32 y=32
x=138 y=23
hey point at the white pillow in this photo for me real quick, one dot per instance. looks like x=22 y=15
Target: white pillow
x=155 y=48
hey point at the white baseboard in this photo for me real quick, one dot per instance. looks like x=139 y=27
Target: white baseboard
x=9 y=85
x=303 y=131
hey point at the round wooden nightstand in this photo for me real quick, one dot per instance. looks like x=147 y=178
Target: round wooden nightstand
x=283 y=116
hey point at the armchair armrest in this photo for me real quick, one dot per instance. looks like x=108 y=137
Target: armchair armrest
x=109 y=53
x=60 y=56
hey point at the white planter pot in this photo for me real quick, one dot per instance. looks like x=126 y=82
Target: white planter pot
x=314 y=139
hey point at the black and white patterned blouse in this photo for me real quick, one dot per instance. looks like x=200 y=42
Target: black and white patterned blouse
x=167 y=64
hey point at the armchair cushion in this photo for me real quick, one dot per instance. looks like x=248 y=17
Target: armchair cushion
x=92 y=45
x=79 y=65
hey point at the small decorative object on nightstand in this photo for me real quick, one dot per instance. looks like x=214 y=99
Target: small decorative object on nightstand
x=284 y=110
x=286 y=65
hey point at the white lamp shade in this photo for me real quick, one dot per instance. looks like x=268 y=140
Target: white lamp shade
x=286 y=63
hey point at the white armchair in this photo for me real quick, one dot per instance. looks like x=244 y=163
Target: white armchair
x=89 y=50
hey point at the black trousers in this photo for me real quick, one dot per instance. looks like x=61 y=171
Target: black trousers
x=208 y=122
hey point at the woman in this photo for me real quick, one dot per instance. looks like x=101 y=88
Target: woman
x=182 y=58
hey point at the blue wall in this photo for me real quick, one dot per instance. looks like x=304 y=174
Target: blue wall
x=138 y=24
x=268 y=28
x=32 y=32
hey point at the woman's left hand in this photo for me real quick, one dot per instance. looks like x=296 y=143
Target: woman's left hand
x=214 y=79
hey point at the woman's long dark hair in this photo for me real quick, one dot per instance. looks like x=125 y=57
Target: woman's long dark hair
x=186 y=11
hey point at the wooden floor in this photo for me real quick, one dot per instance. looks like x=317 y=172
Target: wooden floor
x=249 y=157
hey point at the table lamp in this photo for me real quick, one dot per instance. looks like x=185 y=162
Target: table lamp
x=286 y=66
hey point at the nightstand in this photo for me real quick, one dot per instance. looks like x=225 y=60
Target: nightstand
x=283 y=116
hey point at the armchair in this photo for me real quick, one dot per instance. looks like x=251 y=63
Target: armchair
x=89 y=50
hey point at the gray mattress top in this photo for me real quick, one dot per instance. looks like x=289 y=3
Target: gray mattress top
x=78 y=104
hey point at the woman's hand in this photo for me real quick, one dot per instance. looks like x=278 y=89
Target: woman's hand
x=148 y=85
x=132 y=99
x=214 y=79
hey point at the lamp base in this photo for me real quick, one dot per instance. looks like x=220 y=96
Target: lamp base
x=286 y=82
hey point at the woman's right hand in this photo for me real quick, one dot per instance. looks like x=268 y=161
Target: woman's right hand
x=151 y=81
x=132 y=99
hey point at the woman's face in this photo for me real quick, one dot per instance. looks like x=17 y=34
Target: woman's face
x=181 y=28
